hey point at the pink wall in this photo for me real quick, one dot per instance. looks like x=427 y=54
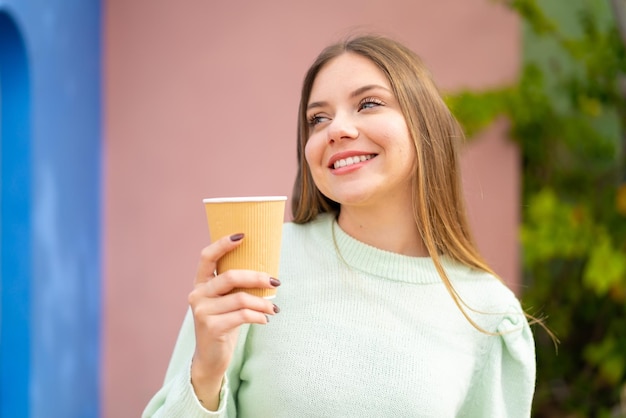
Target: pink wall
x=201 y=100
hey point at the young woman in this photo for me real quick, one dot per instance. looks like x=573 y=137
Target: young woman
x=387 y=308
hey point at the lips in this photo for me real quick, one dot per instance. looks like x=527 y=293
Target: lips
x=345 y=161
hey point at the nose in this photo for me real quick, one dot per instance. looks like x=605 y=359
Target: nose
x=342 y=127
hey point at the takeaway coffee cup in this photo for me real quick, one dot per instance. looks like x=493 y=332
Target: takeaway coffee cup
x=260 y=218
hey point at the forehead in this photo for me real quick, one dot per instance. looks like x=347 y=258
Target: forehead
x=346 y=73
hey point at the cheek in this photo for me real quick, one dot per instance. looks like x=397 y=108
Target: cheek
x=403 y=140
x=402 y=146
x=313 y=153
x=408 y=152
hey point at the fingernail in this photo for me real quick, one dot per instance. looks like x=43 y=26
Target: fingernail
x=276 y=309
x=274 y=282
x=236 y=237
x=267 y=318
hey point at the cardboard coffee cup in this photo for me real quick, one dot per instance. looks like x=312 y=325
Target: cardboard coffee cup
x=260 y=219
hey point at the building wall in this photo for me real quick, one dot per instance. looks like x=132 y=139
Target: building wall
x=58 y=370
x=201 y=101
x=15 y=219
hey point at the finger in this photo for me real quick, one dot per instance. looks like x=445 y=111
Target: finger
x=247 y=279
x=203 y=307
x=212 y=253
x=226 y=322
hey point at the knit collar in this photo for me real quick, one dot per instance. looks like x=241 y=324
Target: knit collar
x=384 y=264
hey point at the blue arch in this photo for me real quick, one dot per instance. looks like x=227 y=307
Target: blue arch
x=15 y=221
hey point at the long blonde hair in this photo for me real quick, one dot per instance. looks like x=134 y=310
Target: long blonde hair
x=438 y=202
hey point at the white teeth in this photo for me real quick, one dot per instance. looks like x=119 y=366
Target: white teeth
x=351 y=160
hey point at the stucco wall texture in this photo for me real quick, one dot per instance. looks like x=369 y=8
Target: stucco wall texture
x=201 y=99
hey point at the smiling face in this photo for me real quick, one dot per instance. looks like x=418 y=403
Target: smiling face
x=359 y=148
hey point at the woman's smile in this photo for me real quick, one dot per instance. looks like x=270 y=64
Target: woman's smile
x=347 y=161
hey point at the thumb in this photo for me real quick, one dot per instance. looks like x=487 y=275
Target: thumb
x=212 y=253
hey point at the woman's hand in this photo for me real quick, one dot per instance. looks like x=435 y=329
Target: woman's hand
x=218 y=315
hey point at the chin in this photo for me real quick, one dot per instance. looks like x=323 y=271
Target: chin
x=352 y=199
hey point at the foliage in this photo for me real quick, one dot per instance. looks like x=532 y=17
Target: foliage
x=568 y=115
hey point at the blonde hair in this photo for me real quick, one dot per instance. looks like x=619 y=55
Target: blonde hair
x=438 y=202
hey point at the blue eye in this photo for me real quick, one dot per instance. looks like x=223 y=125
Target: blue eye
x=370 y=102
x=317 y=119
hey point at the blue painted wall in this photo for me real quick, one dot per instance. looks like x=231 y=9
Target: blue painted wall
x=15 y=220
x=63 y=41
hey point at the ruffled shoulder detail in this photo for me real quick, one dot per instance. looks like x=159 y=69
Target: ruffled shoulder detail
x=504 y=384
x=517 y=336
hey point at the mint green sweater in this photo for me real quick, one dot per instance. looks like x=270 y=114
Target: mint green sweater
x=367 y=333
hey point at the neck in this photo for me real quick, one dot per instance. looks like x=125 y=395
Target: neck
x=390 y=228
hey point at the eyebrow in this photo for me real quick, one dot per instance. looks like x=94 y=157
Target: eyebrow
x=354 y=94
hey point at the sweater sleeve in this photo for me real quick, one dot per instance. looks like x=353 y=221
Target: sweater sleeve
x=176 y=398
x=505 y=383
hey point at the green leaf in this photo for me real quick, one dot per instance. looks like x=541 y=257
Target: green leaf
x=606 y=266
